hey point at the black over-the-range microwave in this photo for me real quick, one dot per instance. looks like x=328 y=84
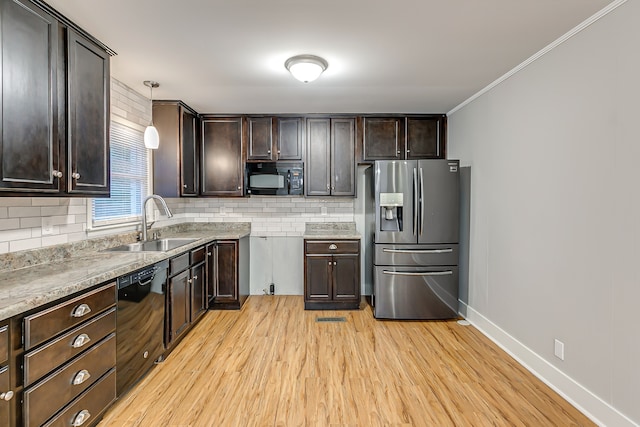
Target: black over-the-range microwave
x=275 y=178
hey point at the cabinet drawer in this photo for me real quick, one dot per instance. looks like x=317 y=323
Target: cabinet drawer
x=197 y=256
x=48 y=357
x=332 y=246
x=179 y=263
x=4 y=343
x=89 y=405
x=46 y=324
x=51 y=394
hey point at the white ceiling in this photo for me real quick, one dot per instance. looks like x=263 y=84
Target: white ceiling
x=422 y=56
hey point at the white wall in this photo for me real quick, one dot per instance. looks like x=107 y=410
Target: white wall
x=555 y=214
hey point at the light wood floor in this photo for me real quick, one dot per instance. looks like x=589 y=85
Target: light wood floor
x=272 y=364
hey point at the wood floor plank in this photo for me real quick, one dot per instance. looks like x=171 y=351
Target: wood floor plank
x=272 y=364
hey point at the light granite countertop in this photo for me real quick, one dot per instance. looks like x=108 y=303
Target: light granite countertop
x=331 y=230
x=31 y=279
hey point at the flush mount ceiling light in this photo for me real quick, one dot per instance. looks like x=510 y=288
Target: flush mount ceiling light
x=306 y=68
x=151 y=137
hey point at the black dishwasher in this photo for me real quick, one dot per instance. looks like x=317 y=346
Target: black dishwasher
x=139 y=323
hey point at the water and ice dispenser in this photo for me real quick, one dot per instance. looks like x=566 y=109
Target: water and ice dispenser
x=391 y=211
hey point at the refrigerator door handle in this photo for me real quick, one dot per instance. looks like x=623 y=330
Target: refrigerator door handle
x=415 y=202
x=418 y=251
x=421 y=202
x=418 y=273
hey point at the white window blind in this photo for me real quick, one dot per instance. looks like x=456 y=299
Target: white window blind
x=129 y=176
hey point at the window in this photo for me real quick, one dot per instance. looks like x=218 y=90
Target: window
x=129 y=179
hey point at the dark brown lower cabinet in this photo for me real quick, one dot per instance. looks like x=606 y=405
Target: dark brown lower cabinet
x=178 y=294
x=332 y=274
x=6 y=393
x=186 y=294
x=228 y=273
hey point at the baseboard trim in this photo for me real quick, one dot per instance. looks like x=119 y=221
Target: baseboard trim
x=599 y=411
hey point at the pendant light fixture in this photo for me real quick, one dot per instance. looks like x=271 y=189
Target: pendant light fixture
x=306 y=68
x=151 y=137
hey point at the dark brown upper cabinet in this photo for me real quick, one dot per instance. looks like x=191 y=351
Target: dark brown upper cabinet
x=54 y=134
x=88 y=99
x=330 y=166
x=426 y=137
x=176 y=160
x=222 y=168
x=383 y=138
x=260 y=138
x=274 y=138
x=403 y=137
x=30 y=122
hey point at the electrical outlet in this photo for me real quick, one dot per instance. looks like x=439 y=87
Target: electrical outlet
x=47 y=226
x=558 y=349
x=222 y=212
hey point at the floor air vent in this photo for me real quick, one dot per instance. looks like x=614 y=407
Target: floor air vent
x=330 y=319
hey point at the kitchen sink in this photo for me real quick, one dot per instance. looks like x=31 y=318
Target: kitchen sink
x=160 y=245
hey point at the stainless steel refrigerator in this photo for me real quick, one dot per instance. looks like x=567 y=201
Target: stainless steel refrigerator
x=416 y=239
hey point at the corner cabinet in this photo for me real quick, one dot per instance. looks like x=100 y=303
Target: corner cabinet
x=403 y=137
x=54 y=135
x=331 y=274
x=176 y=161
x=330 y=166
x=222 y=168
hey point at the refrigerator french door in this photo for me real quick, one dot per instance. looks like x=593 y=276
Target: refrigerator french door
x=416 y=239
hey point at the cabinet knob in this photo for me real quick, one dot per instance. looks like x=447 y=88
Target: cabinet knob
x=398 y=152
x=81 y=377
x=81 y=310
x=335 y=262
x=268 y=151
x=333 y=246
x=278 y=151
x=80 y=340
x=75 y=175
x=208 y=253
x=328 y=187
x=7 y=395
x=57 y=174
x=189 y=281
x=184 y=186
x=239 y=188
x=80 y=418
x=408 y=151
x=195 y=277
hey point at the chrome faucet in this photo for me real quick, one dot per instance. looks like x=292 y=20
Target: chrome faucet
x=144 y=213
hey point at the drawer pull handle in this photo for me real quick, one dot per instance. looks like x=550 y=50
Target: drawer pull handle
x=6 y=395
x=81 y=377
x=80 y=340
x=81 y=310
x=80 y=418
x=333 y=246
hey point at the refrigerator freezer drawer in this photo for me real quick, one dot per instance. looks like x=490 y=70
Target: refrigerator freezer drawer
x=418 y=255
x=415 y=293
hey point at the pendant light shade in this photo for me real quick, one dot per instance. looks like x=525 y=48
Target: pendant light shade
x=306 y=68
x=151 y=137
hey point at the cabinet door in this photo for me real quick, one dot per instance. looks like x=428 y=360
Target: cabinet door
x=318 y=173
x=383 y=138
x=222 y=171
x=260 y=138
x=179 y=304
x=227 y=264
x=29 y=146
x=5 y=386
x=425 y=137
x=318 y=276
x=290 y=134
x=198 y=291
x=88 y=121
x=211 y=272
x=346 y=277
x=189 y=153
x=343 y=166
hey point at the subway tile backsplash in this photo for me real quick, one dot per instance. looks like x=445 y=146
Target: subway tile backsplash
x=21 y=218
